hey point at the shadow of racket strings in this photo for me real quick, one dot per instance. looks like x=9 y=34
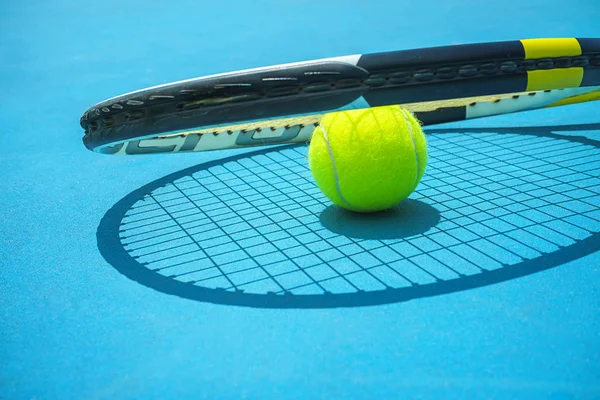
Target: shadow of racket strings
x=254 y=230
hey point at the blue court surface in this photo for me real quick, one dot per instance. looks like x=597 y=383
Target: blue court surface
x=228 y=274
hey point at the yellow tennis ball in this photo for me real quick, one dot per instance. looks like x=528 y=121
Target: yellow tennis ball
x=368 y=160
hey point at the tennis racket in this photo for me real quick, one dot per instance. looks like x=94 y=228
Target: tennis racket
x=254 y=230
x=284 y=103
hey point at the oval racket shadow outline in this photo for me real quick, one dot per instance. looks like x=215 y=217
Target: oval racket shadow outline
x=112 y=249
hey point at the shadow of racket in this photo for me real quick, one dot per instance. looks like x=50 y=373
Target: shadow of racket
x=254 y=230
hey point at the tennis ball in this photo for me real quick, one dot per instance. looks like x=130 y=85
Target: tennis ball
x=368 y=160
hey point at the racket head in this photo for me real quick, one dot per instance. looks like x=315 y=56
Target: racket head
x=296 y=95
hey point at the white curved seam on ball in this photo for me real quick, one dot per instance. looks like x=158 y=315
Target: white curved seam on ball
x=414 y=143
x=335 y=173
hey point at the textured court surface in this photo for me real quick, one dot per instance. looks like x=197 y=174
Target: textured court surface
x=227 y=275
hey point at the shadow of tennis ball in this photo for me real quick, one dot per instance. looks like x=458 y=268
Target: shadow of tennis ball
x=409 y=218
